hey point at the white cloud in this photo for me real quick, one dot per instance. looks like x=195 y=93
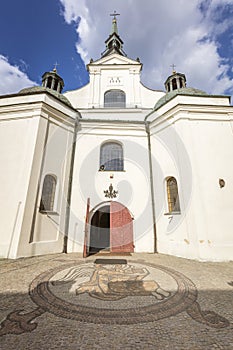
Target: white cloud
x=12 y=78
x=161 y=33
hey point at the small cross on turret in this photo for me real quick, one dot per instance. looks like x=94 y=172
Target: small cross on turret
x=55 y=66
x=114 y=14
x=114 y=22
x=173 y=66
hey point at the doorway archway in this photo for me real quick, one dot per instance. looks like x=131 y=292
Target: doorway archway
x=100 y=230
x=111 y=228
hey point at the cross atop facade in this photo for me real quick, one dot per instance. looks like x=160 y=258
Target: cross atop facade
x=114 y=14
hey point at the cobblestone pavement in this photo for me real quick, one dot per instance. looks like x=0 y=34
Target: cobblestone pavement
x=142 y=301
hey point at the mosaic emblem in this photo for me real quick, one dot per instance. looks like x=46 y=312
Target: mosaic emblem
x=114 y=282
x=111 y=294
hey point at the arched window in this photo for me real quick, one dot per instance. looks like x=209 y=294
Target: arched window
x=181 y=83
x=174 y=84
x=49 y=82
x=111 y=157
x=172 y=195
x=48 y=193
x=114 y=99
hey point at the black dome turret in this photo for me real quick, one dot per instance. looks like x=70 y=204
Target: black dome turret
x=175 y=81
x=52 y=81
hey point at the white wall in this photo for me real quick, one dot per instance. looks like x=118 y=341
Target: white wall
x=22 y=138
x=17 y=142
x=56 y=162
x=212 y=145
x=114 y=72
x=48 y=229
x=132 y=184
x=196 y=147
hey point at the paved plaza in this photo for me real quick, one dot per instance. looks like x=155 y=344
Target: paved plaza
x=135 y=301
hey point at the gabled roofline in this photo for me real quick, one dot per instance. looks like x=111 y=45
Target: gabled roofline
x=107 y=58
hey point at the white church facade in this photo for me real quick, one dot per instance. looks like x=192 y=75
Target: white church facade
x=115 y=166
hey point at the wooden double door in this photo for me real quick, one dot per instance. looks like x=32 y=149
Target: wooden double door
x=111 y=229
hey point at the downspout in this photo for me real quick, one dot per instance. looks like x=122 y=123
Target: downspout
x=147 y=127
x=67 y=218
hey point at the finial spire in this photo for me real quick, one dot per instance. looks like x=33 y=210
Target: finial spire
x=114 y=44
x=114 y=22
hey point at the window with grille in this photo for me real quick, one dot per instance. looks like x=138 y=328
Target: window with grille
x=111 y=157
x=48 y=193
x=114 y=99
x=172 y=195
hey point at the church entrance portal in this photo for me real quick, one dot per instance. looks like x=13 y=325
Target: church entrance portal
x=111 y=229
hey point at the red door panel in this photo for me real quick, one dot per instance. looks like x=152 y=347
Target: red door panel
x=121 y=229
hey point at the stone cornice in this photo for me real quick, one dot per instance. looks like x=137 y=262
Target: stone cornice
x=15 y=107
x=191 y=112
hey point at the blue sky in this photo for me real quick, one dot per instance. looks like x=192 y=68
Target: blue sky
x=196 y=35
x=34 y=35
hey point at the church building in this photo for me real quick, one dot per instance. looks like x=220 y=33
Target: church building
x=115 y=166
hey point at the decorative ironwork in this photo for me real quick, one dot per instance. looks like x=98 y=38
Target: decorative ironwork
x=110 y=193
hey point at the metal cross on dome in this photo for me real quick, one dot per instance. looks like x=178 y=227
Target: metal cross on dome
x=114 y=14
x=55 y=66
x=173 y=66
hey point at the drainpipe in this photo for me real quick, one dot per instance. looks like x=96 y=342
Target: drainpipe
x=147 y=127
x=67 y=218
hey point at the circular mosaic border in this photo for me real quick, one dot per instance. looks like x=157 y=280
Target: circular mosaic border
x=182 y=299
